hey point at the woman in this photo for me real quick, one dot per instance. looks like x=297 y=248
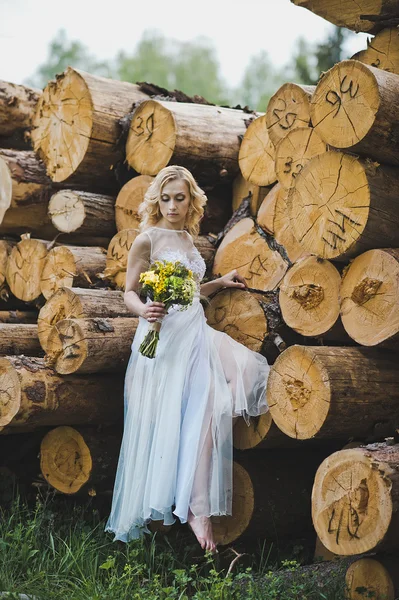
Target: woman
x=176 y=453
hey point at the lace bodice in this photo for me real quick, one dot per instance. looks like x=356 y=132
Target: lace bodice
x=173 y=245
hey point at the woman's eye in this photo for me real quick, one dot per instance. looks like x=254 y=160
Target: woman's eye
x=164 y=199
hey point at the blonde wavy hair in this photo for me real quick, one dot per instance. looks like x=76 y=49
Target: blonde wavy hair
x=149 y=211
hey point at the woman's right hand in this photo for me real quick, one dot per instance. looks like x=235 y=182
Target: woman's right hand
x=153 y=311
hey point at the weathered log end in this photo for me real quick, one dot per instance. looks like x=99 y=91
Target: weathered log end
x=10 y=392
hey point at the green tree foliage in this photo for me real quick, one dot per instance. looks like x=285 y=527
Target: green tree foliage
x=63 y=53
x=259 y=82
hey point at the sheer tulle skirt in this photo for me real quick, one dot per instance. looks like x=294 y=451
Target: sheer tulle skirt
x=176 y=452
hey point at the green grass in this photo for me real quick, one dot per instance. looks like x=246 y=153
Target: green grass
x=57 y=549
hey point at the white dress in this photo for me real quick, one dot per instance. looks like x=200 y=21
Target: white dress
x=176 y=451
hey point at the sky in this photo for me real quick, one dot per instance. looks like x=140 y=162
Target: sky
x=238 y=29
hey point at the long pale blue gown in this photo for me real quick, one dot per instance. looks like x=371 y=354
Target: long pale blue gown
x=176 y=451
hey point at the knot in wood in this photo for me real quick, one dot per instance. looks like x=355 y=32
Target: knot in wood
x=365 y=290
x=308 y=295
x=297 y=392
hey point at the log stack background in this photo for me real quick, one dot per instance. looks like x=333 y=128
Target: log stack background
x=303 y=200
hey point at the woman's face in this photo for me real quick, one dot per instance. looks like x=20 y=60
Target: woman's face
x=174 y=202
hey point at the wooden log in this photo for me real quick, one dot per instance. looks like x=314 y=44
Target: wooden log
x=18 y=316
x=288 y=109
x=244 y=249
x=76 y=127
x=309 y=298
x=5 y=188
x=294 y=151
x=217 y=209
x=89 y=215
x=71 y=266
x=19 y=338
x=17 y=107
x=342 y=206
x=78 y=303
x=316 y=392
x=24 y=268
x=370 y=298
x=271 y=496
x=355 y=106
x=90 y=345
x=273 y=218
x=352 y=13
x=373 y=577
x=128 y=200
x=241 y=190
x=382 y=51
x=204 y=139
x=79 y=459
x=5 y=250
x=239 y=314
x=261 y=433
x=355 y=500
x=257 y=154
x=33 y=395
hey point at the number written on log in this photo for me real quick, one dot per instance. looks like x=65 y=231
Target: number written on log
x=287 y=120
x=288 y=167
x=335 y=99
x=338 y=224
x=141 y=126
x=348 y=513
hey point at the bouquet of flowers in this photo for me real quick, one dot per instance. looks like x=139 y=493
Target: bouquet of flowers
x=168 y=282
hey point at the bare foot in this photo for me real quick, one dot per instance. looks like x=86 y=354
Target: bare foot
x=202 y=529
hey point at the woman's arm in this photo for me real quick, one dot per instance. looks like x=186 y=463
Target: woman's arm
x=138 y=262
x=232 y=279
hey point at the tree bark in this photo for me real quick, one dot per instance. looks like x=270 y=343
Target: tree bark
x=334 y=393
x=90 y=345
x=342 y=206
x=77 y=303
x=294 y=151
x=309 y=298
x=17 y=107
x=24 y=268
x=18 y=316
x=71 y=266
x=382 y=51
x=79 y=459
x=257 y=154
x=19 y=338
x=204 y=139
x=288 y=109
x=83 y=214
x=355 y=500
x=370 y=298
x=355 y=106
x=33 y=395
x=76 y=127
x=351 y=13
x=5 y=251
x=244 y=249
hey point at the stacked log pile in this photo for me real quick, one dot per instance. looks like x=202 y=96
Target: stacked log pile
x=313 y=187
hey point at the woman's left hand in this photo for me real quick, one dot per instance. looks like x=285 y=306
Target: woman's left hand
x=233 y=280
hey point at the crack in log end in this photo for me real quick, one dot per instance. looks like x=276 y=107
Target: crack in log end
x=349 y=512
x=309 y=295
x=365 y=290
x=297 y=393
x=36 y=392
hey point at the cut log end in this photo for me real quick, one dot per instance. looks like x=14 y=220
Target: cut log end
x=246 y=437
x=152 y=137
x=65 y=459
x=345 y=104
x=329 y=206
x=288 y=109
x=298 y=392
x=66 y=347
x=10 y=392
x=294 y=151
x=257 y=154
x=368 y=578
x=63 y=124
x=5 y=188
x=351 y=502
x=66 y=211
x=117 y=257
x=240 y=315
x=59 y=271
x=309 y=296
x=370 y=297
x=24 y=268
x=128 y=201
x=227 y=529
